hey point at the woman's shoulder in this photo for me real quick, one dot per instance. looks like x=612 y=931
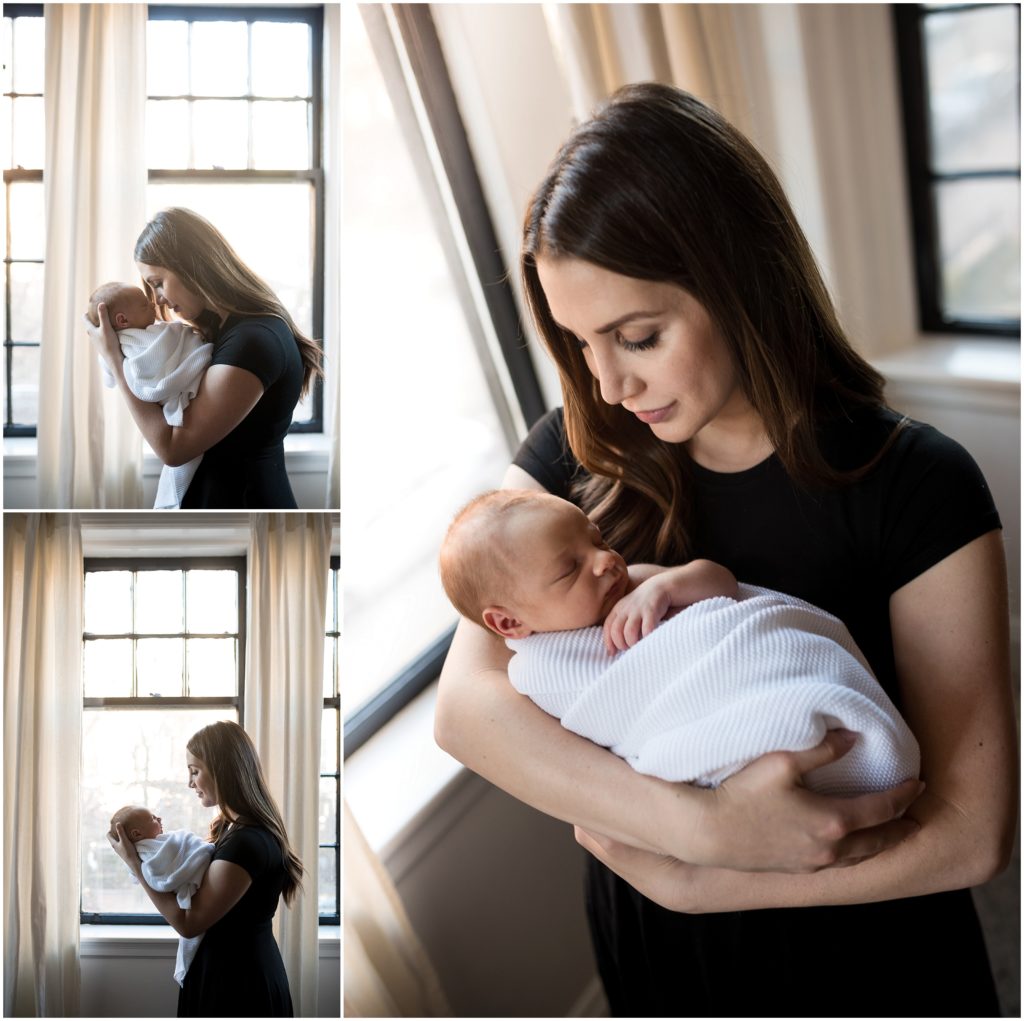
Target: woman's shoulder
x=546 y=456
x=254 y=847
x=262 y=344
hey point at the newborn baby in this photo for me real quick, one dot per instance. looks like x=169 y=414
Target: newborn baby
x=163 y=363
x=172 y=862
x=736 y=672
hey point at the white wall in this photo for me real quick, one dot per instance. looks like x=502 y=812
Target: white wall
x=134 y=977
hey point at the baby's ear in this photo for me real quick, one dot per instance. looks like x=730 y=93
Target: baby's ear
x=504 y=624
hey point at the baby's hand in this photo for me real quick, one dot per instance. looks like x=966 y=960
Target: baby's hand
x=636 y=615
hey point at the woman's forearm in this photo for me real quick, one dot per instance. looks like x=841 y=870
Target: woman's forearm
x=148 y=416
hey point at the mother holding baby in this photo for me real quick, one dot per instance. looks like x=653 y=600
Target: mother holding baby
x=237 y=970
x=713 y=408
x=261 y=365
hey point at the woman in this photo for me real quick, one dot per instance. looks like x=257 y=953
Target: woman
x=261 y=366
x=714 y=409
x=237 y=971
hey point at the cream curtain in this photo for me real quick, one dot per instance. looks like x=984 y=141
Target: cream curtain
x=289 y=560
x=332 y=247
x=90 y=452
x=699 y=47
x=42 y=742
x=387 y=972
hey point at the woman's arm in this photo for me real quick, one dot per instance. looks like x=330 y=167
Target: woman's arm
x=952 y=655
x=762 y=818
x=226 y=395
x=222 y=888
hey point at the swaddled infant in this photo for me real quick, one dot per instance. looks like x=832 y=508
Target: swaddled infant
x=724 y=672
x=173 y=862
x=163 y=363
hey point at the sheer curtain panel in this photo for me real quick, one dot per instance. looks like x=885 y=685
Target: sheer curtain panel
x=289 y=559
x=42 y=754
x=90 y=452
x=387 y=971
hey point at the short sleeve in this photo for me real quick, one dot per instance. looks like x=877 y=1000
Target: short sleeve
x=254 y=347
x=247 y=848
x=937 y=499
x=545 y=455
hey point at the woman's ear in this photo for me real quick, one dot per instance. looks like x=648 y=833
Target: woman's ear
x=504 y=624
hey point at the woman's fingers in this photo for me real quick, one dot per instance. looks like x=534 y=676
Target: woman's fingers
x=835 y=745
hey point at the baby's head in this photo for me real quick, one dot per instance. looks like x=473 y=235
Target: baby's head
x=128 y=307
x=139 y=823
x=518 y=561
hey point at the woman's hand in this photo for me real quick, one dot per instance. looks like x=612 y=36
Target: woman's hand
x=764 y=819
x=104 y=338
x=125 y=849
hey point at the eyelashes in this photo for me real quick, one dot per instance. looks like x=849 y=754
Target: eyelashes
x=631 y=346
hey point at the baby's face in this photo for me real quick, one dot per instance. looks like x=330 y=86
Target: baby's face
x=134 y=311
x=566 y=576
x=143 y=825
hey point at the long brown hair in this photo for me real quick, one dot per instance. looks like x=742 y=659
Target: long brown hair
x=192 y=248
x=230 y=757
x=657 y=186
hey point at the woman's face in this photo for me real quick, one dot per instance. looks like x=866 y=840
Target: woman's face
x=200 y=780
x=651 y=346
x=170 y=291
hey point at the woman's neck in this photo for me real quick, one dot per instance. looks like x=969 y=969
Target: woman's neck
x=733 y=442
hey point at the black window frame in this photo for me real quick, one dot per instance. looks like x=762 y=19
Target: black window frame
x=335 y=704
x=14 y=176
x=426 y=59
x=311 y=15
x=908 y=20
x=96 y=564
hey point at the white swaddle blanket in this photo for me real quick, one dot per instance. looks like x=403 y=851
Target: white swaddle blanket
x=163 y=364
x=175 y=862
x=719 y=684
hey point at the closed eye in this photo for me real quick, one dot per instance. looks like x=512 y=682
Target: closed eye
x=640 y=345
x=568 y=573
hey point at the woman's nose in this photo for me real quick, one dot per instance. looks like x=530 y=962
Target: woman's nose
x=616 y=384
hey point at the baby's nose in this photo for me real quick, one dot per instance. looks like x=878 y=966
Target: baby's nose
x=604 y=562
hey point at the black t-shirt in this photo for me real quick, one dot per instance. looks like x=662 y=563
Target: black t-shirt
x=245 y=470
x=255 y=850
x=846 y=550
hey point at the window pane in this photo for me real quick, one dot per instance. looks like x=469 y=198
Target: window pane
x=28 y=133
x=329 y=742
x=280 y=59
x=220 y=58
x=277 y=245
x=26 y=301
x=328 y=899
x=973 y=84
x=212 y=602
x=6 y=42
x=167 y=134
x=108 y=602
x=394 y=604
x=280 y=135
x=28 y=233
x=220 y=134
x=166 y=58
x=25 y=386
x=158 y=602
x=211 y=667
x=160 y=666
x=107 y=668
x=134 y=757
x=28 y=59
x=979 y=237
x=328 y=811
x=331 y=617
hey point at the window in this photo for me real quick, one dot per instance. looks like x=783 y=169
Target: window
x=163 y=656
x=23 y=202
x=330 y=762
x=423 y=283
x=960 y=72
x=233 y=125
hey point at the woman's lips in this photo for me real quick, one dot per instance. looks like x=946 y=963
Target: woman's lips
x=655 y=415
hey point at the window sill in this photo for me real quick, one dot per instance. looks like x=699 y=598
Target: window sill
x=162 y=940
x=403 y=790
x=305 y=452
x=968 y=364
